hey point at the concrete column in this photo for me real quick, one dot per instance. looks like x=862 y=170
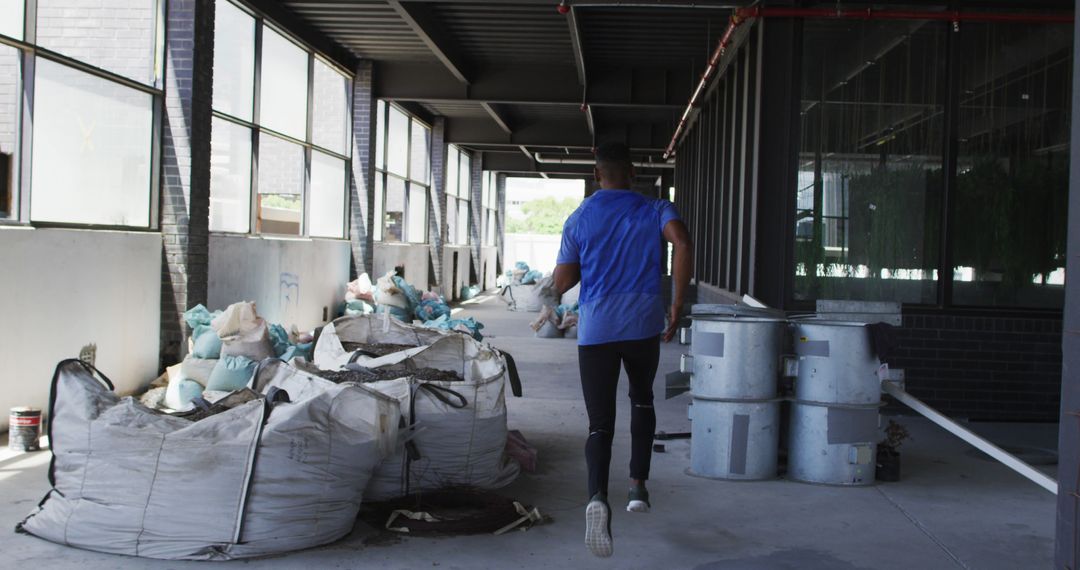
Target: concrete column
x=437 y=202
x=1068 y=534
x=185 y=159
x=362 y=178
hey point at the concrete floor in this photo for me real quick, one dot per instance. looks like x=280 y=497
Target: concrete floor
x=952 y=509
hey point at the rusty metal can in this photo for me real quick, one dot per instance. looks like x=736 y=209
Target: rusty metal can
x=25 y=429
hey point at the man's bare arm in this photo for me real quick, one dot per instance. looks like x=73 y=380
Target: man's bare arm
x=566 y=276
x=682 y=265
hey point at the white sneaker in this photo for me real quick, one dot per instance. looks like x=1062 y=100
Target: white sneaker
x=598 y=527
x=638 y=501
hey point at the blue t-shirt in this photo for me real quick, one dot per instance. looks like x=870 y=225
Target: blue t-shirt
x=616 y=236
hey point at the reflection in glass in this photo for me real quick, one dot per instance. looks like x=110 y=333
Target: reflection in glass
x=464 y=174
x=330 y=109
x=9 y=121
x=11 y=18
x=327 y=210
x=452 y=170
x=397 y=144
x=417 y=232
x=283 y=86
x=463 y=222
x=380 y=136
x=378 y=215
x=394 y=217
x=418 y=162
x=234 y=61
x=451 y=220
x=870 y=162
x=281 y=183
x=230 y=177
x=93 y=33
x=92 y=149
x=1013 y=167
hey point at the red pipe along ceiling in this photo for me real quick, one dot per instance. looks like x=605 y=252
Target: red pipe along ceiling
x=741 y=15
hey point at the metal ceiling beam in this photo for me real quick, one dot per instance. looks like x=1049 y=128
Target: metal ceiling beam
x=483 y=131
x=579 y=49
x=432 y=33
x=530 y=85
x=498 y=118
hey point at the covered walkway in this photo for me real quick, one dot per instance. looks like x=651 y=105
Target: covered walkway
x=952 y=509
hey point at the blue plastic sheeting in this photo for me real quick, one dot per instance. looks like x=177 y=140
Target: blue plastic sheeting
x=447 y=324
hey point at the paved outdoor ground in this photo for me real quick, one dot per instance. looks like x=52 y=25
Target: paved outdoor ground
x=951 y=510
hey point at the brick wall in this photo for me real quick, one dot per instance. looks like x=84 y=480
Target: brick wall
x=437 y=203
x=476 y=214
x=185 y=178
x=361 y=183
x=983 y=367
x=500 y=221
x=9 y=98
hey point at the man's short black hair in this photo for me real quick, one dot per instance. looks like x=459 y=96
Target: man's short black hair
x=613 y=153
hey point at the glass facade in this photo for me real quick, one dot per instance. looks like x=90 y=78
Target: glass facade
x=1011 y=198
x=91 y=142
x=402 y=176
x=299 y=145
x=870 y=180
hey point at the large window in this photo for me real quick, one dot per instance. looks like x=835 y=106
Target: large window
x=870 y=161
x=489 y=192
x=875 y=181
x=1011 y=197
x=9 y=125
x=458 y=175
x=297 y=145
x=91 y=145
x=402 y=176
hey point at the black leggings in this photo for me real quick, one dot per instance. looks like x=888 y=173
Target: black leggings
x=599 y=364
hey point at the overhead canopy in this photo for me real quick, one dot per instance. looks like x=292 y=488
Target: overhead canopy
x=517 y=77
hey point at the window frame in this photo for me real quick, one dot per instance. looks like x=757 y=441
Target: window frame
x=22 y=175
x=459 y=195
x=258 y=130
x=382 y=173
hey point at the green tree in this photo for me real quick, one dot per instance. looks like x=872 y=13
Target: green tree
x=543 y=216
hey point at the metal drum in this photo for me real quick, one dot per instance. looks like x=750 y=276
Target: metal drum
x=833 y=445
x=735 y=413
x=836 y=363
x=734 y=440
x=834 y=418
x=735 y=357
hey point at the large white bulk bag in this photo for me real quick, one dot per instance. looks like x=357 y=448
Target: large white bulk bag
x=367 y=329
x=460 y=433
x=257 y=479
x=530 y=298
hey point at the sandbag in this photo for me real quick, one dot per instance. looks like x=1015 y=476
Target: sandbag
x=198 y=369
x=254 y=344
x=205 y=342
x=523 y=298
x=231 y=485
x=181 y=389
x=231 y=373
x=387 y=293
x=329 y=354
x=461 y=440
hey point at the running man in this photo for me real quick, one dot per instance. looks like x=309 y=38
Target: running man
x=613 y=245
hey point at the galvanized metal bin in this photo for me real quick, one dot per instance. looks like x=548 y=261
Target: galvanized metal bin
x=734 y=439
x=832 y=445
x=834 y=418
x=836 y=363
x=735 y=414
x=736 y=358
